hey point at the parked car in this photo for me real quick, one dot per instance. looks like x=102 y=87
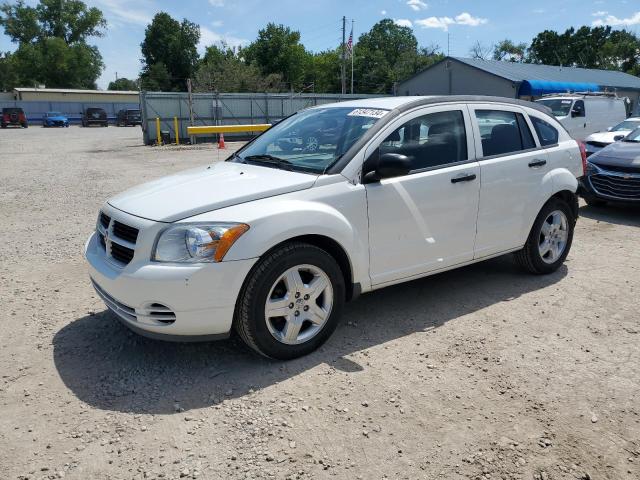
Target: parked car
x=94 y=116
x=55 y=119
x=584 y=114
x=599 y=140
x=128 y=117
x=13 y=116
x=613 y=173
x=272 y=243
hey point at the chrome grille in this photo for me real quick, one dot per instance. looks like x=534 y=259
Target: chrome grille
x=117 y=239
x=620 y=186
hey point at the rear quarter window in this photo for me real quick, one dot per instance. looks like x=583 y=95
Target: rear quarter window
x=547 y=133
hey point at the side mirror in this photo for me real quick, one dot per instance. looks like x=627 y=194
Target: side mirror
x=609 y=129
x=617 y=138
x=389 y=165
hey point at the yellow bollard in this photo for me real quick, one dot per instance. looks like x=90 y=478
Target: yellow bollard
x=175 y=129
x=158 y=137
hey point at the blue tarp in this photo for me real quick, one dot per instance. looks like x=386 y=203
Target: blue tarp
x=542 y=87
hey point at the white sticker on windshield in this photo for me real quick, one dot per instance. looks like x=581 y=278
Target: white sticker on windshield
x=368 y=112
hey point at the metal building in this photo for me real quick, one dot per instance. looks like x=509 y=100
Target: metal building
x=75 y=95
x=469 y=76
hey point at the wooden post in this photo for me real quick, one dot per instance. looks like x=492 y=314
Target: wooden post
x=175 y=129
x=158 y=136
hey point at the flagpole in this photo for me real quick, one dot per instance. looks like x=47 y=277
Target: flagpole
x=352 y=54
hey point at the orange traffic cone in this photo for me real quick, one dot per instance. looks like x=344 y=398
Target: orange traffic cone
x=221 y=141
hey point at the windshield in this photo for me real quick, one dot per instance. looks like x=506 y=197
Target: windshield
x=560 y=108
x=633 y=136
x=626 y=125
x=54 y=114
x=133 y=112
x=311 y=140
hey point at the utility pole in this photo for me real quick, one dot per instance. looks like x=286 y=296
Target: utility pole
x=344 y=54
x=116 y=76
x=352 y=55
x=448 y=44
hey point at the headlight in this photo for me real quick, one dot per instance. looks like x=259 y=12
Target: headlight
x=197 y=243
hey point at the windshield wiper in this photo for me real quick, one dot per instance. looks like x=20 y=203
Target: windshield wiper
x=270 y=160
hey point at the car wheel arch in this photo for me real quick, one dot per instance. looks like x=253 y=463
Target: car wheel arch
x=333 y=248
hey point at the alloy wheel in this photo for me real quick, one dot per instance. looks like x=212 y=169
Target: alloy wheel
x=553 y=236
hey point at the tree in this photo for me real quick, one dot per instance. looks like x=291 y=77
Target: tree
x=52 y=44
x=480 y=51
x=224 y=69
x=278 y=50
x=587 y=47
x=387 y=54
x=507 y=50
x=156 y=78
x=173 y=44
x=123 y=84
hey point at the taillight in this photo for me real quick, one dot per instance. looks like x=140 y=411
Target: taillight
x=6 y=117
x=583 y=154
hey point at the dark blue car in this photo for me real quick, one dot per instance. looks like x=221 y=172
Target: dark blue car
x=54 y=119
x=613 y=173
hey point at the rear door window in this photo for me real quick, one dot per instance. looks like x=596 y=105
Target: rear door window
x=503 y=132
x=547 y=133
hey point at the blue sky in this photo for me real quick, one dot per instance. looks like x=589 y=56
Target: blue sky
x=237 y=21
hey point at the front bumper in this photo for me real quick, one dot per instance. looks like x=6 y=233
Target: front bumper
x=611 y=186
x=169 y=301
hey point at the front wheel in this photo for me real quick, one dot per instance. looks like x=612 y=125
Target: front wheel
x=291 y=301
x=550 y=239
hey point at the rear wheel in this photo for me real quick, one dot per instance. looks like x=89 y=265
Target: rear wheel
x=550 y=239
x=291 y=302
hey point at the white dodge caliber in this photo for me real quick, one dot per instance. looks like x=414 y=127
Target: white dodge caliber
x=332 y=202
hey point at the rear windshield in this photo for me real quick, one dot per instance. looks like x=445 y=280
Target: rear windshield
x=133 y=112
x=11 y=110
x=559 y=107
x=95 y=110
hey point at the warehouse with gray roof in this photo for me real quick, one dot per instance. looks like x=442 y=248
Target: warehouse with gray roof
x=470 y=76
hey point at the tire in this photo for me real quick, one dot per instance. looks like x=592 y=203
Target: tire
x=530 y=257
x=268 y=335
x=25 y=125
x=4 y=125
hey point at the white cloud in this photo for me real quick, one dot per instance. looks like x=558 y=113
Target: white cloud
x=601 y=13
x=216 y=3
x=617 y=22
x=120 y=11
x=209 y=37
x=217 y=23
x=443 y=23
x=383 y=12
x=436 y=22
x=403 y=22
x=417 y=5
x=467 y=19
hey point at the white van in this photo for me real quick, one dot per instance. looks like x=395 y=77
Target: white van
x=584 y=114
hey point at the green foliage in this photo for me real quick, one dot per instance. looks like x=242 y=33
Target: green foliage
x=52 y=44
x=278 y=50
x=156 y=78
x=173 y=44
x=587 y=47
x=224 y=69
x=506 y=50
x=388 y=54
x=123 y=84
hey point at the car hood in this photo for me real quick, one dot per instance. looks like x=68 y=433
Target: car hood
x=618 y=154
x=606 y=137
x=204 y=189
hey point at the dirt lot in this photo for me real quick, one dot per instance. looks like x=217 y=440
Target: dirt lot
x=483 y=372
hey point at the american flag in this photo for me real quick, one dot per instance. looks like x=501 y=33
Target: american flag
x=350 y=44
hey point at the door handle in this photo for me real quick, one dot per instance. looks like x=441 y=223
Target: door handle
x=537 y=163
x=465 y=177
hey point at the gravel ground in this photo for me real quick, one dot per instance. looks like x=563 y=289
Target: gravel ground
x=482 y=373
